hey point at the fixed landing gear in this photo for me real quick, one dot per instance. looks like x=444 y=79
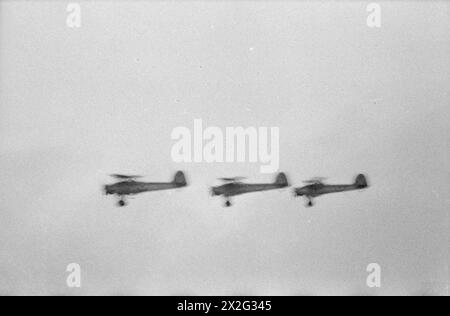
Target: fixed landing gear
x=228 y=203
x=121 y=203
x=310 y=203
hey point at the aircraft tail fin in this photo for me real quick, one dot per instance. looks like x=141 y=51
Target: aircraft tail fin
x=180 y=179
x=361 y=182
x=282 y=180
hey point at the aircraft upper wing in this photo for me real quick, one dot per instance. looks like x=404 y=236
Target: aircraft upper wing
x=236 y=179
x=124 y=177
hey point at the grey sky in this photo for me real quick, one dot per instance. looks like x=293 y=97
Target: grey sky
x=79 y=104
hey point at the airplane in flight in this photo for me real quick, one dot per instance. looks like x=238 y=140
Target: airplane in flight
x=316 y=187
x=235 y=186
x=128 y=186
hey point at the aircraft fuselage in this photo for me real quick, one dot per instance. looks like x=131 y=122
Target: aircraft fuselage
x=131 y=187
x=234 y=189
x=318 y=190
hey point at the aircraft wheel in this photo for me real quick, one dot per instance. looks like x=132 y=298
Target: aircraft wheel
x=122 y=203
x=228 y=204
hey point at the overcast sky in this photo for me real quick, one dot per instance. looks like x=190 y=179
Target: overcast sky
x=79 y=104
